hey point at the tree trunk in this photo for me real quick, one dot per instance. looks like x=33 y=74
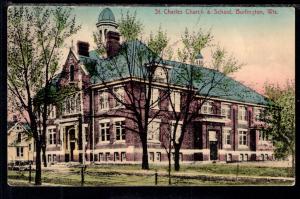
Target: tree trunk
x=145 y=164
x=176 y=158
x=44 y=156
x=38 y=169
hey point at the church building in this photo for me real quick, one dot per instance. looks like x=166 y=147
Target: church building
x=84 y=128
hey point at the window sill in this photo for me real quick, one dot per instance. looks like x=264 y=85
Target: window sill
x=103 y=110
x=69 y=114
x=242 y=121
x=264 y=142
x=226 y=146
x=117 y=107
x=153 y=141
x=243 y=147
x=119 y=141
x=103 y=142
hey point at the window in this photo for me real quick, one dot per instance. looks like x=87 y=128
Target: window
x=158 y=156
x=175 y=100
x=262 y=136
x=243 y=137
x=229 y=157
x=107 y=156
x=242 y=113
x=241 y=157
x=52 y=111
x=103 y=100
x=29 y=147
x=151 y=156
x=101 y=35
x=207 y=108
x=116 y=156
x=226 y=111
x=266 y=157
x=120 y=130
x=72 y=104
x=52 y=136
x=19 y=137
x=178 y=130
x=262 y=157
x=104 y=132
x=95 y=157
x=257 y=114
x=119 y=92
x=123 y=156
x=227 y=136
x=246 y=157
x=154 y=98
x=19 y=151
x=71 y=73
x=101 y=157
x=49 y=158
x=160 y=75
x=153 y=131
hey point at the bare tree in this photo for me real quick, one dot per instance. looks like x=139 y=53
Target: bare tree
x=135 y=64
x=198 y=84
x=35 y=38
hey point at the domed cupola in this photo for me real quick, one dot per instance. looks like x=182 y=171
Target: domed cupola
x=199 y=59
x=106 y=22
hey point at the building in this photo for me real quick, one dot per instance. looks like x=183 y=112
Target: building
x=20 y=147
x=85 y=128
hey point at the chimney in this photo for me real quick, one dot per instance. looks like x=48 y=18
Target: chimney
x=15 y=118
x=112 y=43
x=83 y=48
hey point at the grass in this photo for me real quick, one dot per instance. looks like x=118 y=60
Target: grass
x=132 y=175
x=222 y=169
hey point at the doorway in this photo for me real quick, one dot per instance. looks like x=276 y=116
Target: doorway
x=213 y=150
x=72 y=143
x=213 y=145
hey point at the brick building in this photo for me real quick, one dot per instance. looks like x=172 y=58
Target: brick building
x=227 y=128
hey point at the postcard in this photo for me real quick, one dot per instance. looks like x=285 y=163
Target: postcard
x=150 y=95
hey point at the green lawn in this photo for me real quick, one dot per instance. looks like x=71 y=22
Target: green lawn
x=132 y=175
x=227 y=169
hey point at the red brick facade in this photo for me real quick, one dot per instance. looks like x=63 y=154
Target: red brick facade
x=79 y=132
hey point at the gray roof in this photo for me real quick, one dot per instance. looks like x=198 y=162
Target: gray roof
x=106 y=15
x=199 y=56
x=110 y=70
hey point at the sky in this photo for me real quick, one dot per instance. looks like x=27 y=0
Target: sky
x=263 y=40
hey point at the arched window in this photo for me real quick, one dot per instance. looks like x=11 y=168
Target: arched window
x=105 y=31
x=100 y=34
x=71 y=73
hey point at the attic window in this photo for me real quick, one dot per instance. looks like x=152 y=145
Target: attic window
x=19 y=137
x=71 y=73
x=160 y=74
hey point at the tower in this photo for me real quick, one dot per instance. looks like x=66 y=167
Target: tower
x=106 y=22
x=199 y=59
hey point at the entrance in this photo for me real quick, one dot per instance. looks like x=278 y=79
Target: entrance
x=72 y=143
x=213 y=145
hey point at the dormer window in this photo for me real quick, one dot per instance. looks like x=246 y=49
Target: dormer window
x=160 y=75
x=71 y=73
